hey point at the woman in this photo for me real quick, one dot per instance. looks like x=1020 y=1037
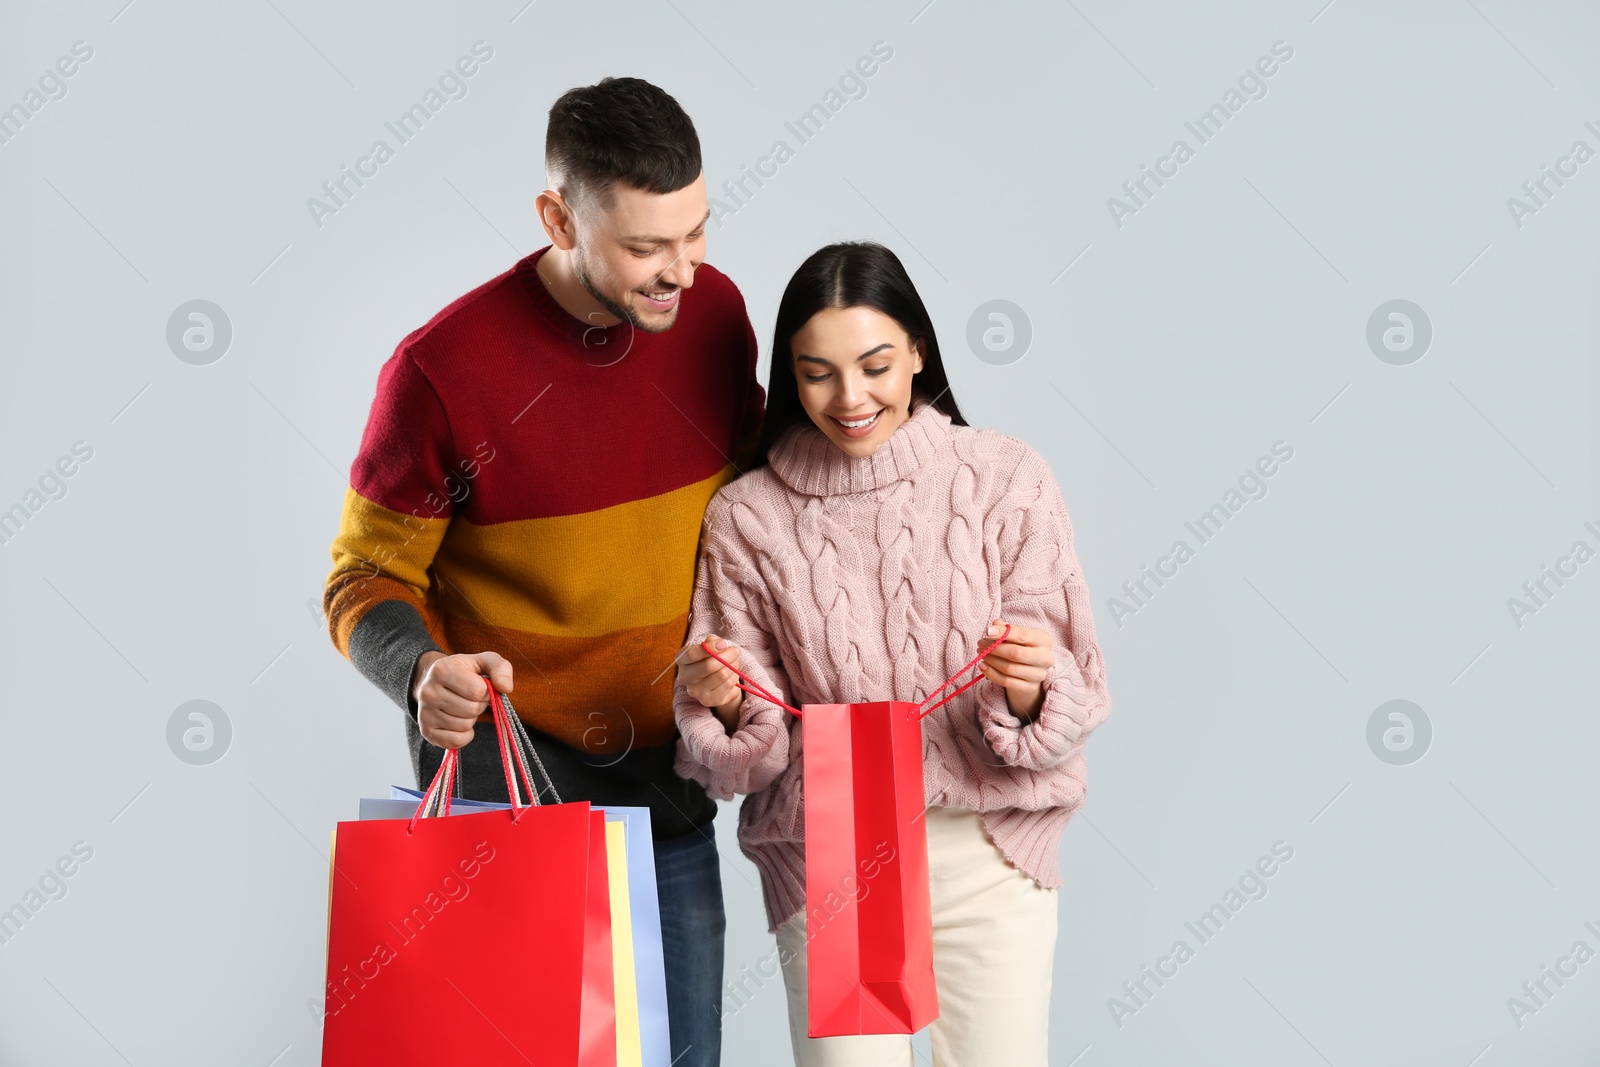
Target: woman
x=883 y=544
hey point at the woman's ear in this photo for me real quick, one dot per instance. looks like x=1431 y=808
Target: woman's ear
x=917 y=346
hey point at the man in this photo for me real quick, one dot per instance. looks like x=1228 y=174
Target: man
x=527 y=499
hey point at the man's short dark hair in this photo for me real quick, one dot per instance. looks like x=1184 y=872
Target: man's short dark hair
x=619 y=130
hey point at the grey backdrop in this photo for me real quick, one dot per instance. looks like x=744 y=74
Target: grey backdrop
x=1174 y=341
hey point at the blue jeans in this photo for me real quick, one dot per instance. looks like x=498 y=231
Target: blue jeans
x=689 y=882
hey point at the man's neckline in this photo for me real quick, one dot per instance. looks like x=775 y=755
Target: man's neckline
x=593 y=344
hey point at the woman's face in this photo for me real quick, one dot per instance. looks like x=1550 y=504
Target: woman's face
x=853 y=367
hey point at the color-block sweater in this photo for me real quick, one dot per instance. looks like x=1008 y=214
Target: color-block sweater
x=845 y=580
x=531 y=485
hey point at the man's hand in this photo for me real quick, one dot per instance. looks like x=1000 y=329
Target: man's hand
x=709 y=682
x=450 y=694
x=1020 y=663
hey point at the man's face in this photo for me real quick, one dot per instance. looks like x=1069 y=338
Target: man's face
x=637 y=258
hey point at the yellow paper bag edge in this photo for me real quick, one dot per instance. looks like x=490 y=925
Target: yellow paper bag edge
x=630 y=1050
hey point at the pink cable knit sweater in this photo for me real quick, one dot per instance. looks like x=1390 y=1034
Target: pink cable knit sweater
x=844 y=580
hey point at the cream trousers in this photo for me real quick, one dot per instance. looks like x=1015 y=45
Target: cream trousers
x=994 y=939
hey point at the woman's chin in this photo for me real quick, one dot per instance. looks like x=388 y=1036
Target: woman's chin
x=856 y=446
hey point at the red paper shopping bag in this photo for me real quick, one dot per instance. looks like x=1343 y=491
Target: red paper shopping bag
x=869 y=927
x=482 y=938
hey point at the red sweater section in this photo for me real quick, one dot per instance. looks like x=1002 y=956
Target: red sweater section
x=575 y=418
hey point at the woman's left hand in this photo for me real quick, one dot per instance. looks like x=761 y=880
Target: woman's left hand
x=1020 y=663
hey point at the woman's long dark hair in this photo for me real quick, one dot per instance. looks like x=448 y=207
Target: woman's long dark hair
x=845 y=275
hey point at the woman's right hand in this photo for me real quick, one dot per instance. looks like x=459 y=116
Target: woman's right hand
x=709 y=682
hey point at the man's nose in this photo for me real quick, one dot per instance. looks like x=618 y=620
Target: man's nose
x=680 y=272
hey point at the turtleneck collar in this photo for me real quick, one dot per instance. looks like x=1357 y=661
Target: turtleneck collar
x=809 y=462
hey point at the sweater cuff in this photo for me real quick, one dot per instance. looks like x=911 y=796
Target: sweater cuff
x=1050 y=736
x=745 y=761
x=385 y=646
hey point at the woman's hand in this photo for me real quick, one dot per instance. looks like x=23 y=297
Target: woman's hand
x=1020 y=663
x=709 y=682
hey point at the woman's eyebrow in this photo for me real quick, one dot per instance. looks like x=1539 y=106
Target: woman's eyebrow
x=862 y=356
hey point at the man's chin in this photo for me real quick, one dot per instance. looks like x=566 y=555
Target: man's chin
x=652 y=322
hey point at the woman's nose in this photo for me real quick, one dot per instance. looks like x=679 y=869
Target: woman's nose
x=849 y=391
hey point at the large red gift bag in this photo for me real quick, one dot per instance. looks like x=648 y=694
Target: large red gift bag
x=482 y=938
x=869 y=927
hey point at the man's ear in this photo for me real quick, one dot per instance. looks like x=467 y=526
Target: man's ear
x=556 y=217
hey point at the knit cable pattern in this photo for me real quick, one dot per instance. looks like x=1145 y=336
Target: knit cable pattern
x=847 y=580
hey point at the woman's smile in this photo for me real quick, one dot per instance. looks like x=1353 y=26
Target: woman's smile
x=859 y=426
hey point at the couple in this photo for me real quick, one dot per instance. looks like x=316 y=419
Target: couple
x=567 y=478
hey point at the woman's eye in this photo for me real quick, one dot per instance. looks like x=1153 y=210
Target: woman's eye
x=816 y=379
x=875 y=371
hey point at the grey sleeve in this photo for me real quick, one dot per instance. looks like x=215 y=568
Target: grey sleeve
x=385 y=645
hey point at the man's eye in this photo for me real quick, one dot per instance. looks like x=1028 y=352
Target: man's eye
x=641 y=252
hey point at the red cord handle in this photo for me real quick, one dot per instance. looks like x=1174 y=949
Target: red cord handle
x=921 y=711
x=752 y=687
x=444 y=780
x=510 y=749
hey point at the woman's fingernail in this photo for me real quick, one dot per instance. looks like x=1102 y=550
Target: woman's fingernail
x=993 y=630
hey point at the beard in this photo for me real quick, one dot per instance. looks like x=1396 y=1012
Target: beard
x=627 y=313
